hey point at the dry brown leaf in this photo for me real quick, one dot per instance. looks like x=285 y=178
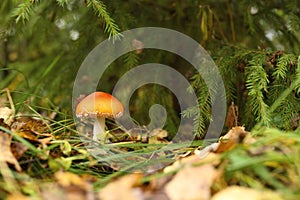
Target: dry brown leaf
x=73 y=193
x=158 y=136
x=226 y=145
x=158 y=195
x=207 y=150
x=157 y=183
x=193 y=160
x=232 y=116
x=212 y=158
x=32 y=129
x=6 y=154
x=66 y=179
x=237 y=132
x=27 y=135
x=192 y=183
x=122 y=188
x=231 y=139
x=73 y=186
x=36 y=126
x=50 y=191
x=235 y=136
x=18 y=149
x=239 y=192
x=7 y=115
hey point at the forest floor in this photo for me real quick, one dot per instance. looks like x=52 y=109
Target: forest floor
x=42 y=158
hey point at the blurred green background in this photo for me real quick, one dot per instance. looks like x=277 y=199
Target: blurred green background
x=43 y=43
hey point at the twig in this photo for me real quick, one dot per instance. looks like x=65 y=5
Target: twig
x=12 y=105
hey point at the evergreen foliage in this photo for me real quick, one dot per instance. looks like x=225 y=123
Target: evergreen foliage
x=256 y=84
x=41 y=55
x=23 y=11
x=264 y=85
x=110 y=25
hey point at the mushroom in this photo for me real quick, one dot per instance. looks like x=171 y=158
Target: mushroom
x=99 y=105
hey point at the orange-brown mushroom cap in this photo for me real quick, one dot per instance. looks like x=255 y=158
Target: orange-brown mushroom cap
x=99 y=104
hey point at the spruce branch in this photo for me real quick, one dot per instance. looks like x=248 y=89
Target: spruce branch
x=297 y=81
x=23 y=11
x=282 y=66
x=295 y=85
x=256 y=83
x=131 y=60
x=62 y=2
x=201 y=114
x=110 y=26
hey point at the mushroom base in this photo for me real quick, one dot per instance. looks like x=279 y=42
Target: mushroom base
x=99 y=133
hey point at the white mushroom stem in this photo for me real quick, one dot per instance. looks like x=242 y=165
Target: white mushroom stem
x=99 y=129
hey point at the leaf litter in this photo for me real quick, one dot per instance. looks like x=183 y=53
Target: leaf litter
x=216 y=171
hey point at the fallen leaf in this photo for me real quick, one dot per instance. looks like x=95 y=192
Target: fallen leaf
x=232 y=116
x=66 y=179
x=158 y=136
x=239 y=192
x=27 y=135
x=191 y=183
x=193 y=160
x=74 y=186
x=159 y=133
x=6 y=154
x=18 y=149
x=7 y=115
x=237 y=132
x=122 y=188
x=50 y=191
x=36 y=126
x=32 y=129
x=158 y=182
x=207 y=150
x=235 y=136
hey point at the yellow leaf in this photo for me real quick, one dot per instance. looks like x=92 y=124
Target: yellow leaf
x=193 y=160
x=68 y=186
x=59 y=163
x=66 y=179
x=239 y=192
x=122 y=188
x=17 y=196
x=192 y=183
x=66 y=148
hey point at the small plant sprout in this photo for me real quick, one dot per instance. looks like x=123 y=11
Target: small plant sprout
x=99 y=105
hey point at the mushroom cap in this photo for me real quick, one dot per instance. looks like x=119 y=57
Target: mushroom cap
x=99 y=104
